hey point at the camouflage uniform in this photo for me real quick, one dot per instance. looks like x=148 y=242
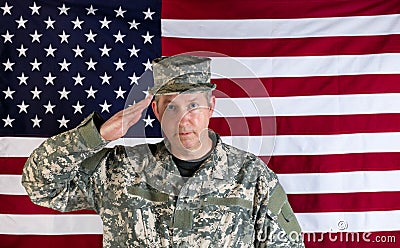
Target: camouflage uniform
x=233 y=200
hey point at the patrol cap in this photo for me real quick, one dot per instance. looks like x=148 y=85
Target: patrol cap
x=181 y=74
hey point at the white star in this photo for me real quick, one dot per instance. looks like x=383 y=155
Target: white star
x=134 y=79
x=133 y=51
x=49 y=107
x=119 y=65
x=7 y=37
x=90 y=36
x=91 y=64
x=6 y=9
x=21 y=22
x=64 y=37
x=63 y=10
x=78 y=108
x=8 y=65
x=35 y=65
x=91 y=92
x=36 y=93
x=35 y=37
x=50 y=51
x=64 y=65
x=36 y=121
x=63 y=122
x=147 y=38
x=104 y=23
x=49 y=79
x=105 y=78
x=64 y=93
x=105 y=50
x=105 y=107
x=49 y=23
x=148 y=14
x=91 y=10
x=147 y=65
x=120 y=93
x=8 y=121
x=35 y=9
x=148 y=121
x=119 y=37
x=133 y=24
x=22 y=107
x=22 y=51
x=146 y=92
x=8 y=93
x=77 y=23
x=78 y=51
x=120 y=12
x=22 y=79
x=78 y=79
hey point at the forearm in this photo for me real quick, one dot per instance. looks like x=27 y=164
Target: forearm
x=54 y=176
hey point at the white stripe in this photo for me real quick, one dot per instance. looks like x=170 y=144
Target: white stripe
x=50 y=224
x=92 y=224
x=11 y=185
x=304 y=66
x=302 y=183
x=18 y=146
x=340 y=182
x=283 y=144
x=308 y=105
x=281 y=28
x=374 y=221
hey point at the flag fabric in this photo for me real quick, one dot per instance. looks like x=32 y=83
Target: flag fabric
x=319 y=79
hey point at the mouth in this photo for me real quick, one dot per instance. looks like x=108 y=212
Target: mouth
x=183 y=134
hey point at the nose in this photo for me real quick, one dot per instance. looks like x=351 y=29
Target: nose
x=184 y=119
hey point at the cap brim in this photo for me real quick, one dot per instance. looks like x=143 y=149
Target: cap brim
x=182 y=88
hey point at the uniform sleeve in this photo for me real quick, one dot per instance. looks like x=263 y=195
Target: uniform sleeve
x=276 y=224
x=58 y=174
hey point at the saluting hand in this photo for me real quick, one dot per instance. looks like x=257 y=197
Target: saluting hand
x=117 y=126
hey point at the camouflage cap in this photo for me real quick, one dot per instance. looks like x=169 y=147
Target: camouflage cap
x=181 y=74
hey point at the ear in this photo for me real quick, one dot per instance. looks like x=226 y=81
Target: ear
x=155 y=110
x=212 y=105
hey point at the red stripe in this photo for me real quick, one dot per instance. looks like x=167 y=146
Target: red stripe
x=305 y=125
x=333 y=163
x=255 y=9
x=18 y=204
x=345 y=202
x=11 y=165
x=285 y=47
x=312 y=240
x=51 y=241
x=353 y=240
x=307 y=86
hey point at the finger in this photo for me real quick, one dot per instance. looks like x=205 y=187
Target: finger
x=139 y=106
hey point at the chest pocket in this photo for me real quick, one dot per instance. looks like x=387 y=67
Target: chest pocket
x=226 y=222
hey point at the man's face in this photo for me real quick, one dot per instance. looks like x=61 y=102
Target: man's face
x=184 y=118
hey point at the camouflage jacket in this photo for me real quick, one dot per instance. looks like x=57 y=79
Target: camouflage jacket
x=233 y=200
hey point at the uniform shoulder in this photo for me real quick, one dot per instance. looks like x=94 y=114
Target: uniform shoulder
x=248 y=162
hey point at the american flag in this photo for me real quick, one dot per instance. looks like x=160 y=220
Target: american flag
x=329 y=69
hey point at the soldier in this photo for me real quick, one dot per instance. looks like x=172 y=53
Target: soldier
x=189 y=190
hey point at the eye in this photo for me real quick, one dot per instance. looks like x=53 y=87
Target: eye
x=193 y=105
x=170 y=107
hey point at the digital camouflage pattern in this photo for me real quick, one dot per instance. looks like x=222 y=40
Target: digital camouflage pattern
x=181 y=73
x=233 y=200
